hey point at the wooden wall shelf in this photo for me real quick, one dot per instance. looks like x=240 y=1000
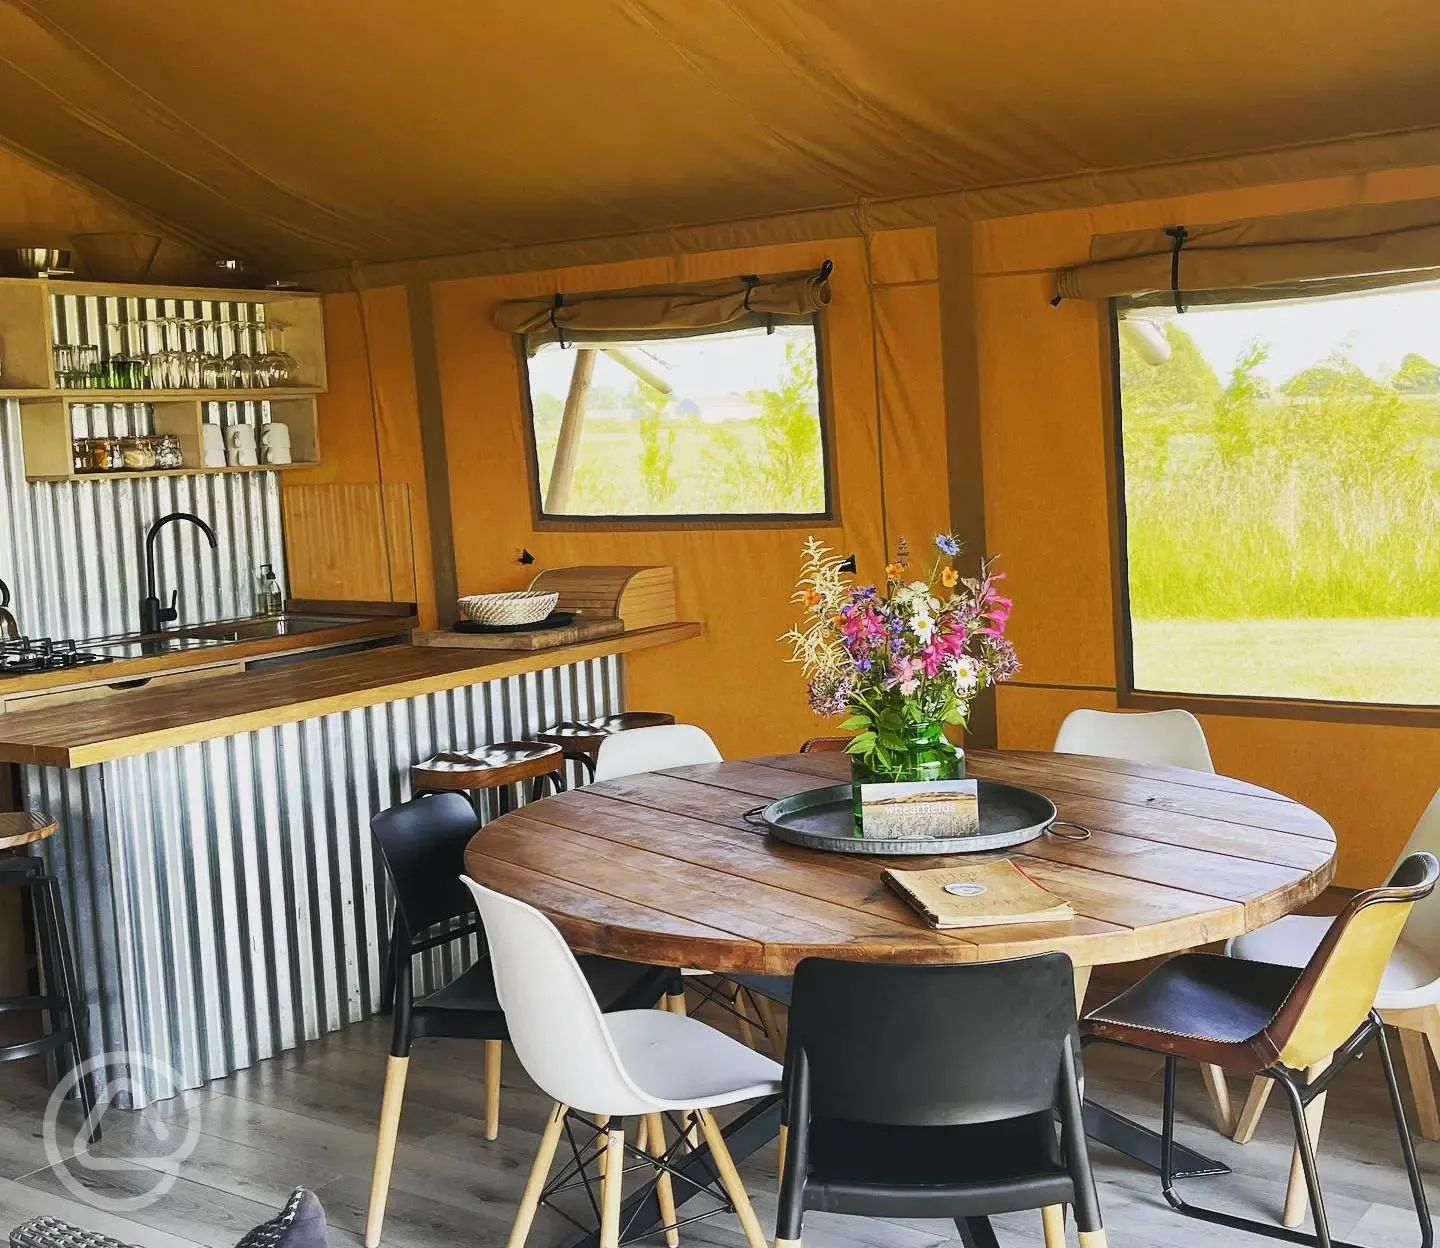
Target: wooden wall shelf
x=47 y=431
x=37 y=314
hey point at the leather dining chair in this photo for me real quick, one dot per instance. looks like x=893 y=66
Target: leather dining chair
x=638 y=1064
x=934 y=1092
x=1299 y=1027
x=422 y=844
x=1173 y=738
x=1408 y=999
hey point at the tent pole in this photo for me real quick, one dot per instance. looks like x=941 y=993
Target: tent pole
x=562 y=472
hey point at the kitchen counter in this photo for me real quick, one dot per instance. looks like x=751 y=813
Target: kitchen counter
x=145 y=720
x=223 y=893
x=188 y=648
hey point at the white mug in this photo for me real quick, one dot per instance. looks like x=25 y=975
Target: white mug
x=275 y=435
x=240 y=436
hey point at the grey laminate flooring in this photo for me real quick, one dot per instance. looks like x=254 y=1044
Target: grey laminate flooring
x=309 y=1117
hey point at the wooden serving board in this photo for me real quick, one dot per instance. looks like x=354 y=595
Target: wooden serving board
x=540 y=639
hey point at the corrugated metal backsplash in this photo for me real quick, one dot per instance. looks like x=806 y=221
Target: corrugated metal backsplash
x=73 y=554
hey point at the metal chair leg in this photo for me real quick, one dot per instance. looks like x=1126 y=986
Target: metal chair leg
x=1407 y=1142
x=62 y=981
x=1307 y=1157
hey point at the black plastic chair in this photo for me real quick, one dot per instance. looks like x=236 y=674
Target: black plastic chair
x=422 y=844
x=920 y=1091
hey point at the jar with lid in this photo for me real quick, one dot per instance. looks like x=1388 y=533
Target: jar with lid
x=80 y=455
x=137 y=453
x=104 y=454
x=168 y=453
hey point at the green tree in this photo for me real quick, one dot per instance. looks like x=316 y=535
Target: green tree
x=1416 y=375
x=1235 y=406
x=1184 y=380
x=791 y=474
x=657 y=444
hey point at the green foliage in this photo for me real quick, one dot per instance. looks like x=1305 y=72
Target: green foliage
x=1320 y=501
x=1416 y=375
x=657 y=445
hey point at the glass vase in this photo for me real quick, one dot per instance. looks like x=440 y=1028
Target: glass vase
x=928 y=755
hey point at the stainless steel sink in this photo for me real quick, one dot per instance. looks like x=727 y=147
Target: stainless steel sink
x=261 y=628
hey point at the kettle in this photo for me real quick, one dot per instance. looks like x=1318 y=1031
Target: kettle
x=9 y=629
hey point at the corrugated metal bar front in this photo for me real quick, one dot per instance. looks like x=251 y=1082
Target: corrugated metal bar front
x=224 y=898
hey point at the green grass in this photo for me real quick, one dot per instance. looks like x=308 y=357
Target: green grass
x=1378 y=660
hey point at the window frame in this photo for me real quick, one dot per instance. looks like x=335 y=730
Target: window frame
x=1255 y=706
x=547 y=522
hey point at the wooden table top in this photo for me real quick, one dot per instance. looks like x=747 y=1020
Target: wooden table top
x=145 y=720
x=662 y=868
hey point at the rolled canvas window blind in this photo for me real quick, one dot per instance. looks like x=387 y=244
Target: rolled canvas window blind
x=735 y=303
x=1380 y=244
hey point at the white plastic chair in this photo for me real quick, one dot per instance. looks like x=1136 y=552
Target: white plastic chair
x=1172 y=737
x=630 y=1064
x=1409 y=1000
x=654 y=749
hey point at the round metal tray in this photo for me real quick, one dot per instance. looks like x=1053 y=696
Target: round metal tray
x=825 y=819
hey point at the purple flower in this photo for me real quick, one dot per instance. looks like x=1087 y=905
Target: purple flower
x=946 y=544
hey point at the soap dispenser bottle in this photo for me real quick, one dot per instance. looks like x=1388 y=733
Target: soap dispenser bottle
x=269 y=599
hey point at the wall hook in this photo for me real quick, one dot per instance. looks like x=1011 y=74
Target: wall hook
x=525 y=558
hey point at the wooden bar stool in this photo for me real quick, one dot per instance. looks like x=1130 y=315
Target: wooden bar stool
x=492 y=768
x=60 y=998
x=581 y=739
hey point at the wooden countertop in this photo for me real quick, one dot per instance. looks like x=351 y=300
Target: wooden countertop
x=142 y=667
x=157 y=719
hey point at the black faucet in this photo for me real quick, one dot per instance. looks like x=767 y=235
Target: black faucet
x=152 y=614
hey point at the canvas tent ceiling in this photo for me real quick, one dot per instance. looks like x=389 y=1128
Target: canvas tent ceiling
x=315 y=134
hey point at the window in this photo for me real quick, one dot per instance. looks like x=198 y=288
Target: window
x=716 y=424
x=1281 y=463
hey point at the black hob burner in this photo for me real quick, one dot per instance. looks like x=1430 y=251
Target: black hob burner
x=41 y=654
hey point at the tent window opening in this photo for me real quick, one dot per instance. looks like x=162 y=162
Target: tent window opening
x=1281 y=467
x=725 y=423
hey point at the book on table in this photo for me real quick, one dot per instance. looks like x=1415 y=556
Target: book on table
x=978 y=894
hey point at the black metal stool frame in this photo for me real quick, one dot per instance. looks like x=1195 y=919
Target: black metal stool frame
x=59 y=998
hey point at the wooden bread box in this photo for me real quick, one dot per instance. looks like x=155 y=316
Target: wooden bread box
x=637 y=597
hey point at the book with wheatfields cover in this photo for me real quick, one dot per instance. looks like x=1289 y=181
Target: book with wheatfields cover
x=981 y=894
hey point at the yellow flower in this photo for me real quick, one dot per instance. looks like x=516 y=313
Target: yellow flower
x=894 y=571
x=949 y=578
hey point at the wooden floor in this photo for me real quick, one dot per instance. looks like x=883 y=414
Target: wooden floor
x=308 y=1117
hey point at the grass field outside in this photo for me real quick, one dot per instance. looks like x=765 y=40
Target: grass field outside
x=1344 y=660
x=1282 y=499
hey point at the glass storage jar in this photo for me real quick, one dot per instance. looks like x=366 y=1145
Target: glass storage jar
x=137 y=453
x=168 y=453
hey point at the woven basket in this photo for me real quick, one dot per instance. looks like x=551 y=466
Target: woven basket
x=521 y=607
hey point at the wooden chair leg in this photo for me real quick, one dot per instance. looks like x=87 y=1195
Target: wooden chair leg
x=1093 y=1239
x=742 y=1018
x=783 y=1144
x=653 y=1125
x=1219 y=1090
x=730 y=1177
x=602 y=1162
x=1417 y=1066
x=494 y=1051
x=1297 y=1198
x=1052 y=1218
x=1082 y=983
x=1254 y=1106
x=539 y=1172
x=396 y=1068
x=675 y=1003
x=610 y=1189
x=765 y=1008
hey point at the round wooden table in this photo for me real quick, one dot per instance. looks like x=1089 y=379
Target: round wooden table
x=662 y=867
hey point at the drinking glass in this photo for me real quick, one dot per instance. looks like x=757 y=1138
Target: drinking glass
x=281 y=368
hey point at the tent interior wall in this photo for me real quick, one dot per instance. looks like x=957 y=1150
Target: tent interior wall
x=1041 y=381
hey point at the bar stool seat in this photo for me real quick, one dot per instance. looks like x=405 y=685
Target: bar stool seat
x=581 y=739
x=60 y=997
x=486 y=767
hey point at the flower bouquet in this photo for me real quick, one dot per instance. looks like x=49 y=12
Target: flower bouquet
x=903 y=663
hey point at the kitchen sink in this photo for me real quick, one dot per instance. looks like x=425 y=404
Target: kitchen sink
x=261 y=628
